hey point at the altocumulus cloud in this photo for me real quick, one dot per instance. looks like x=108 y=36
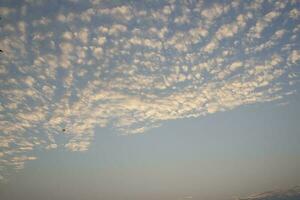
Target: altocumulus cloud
x=134 y=65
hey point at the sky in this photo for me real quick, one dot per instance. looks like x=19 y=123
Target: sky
x=151 y=100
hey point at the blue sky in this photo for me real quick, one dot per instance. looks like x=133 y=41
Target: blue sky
x=181 y=94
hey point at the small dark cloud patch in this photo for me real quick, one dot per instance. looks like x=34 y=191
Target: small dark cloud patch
x=290 y=194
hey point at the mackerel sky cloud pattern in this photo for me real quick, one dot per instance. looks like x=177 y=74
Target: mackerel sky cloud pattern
x=133 y=65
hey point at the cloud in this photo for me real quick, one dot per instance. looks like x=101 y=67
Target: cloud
x=291 y=193
x=214 y=11
x=5 y=11
x=294 y=13
x=261 y=24
x=41 y=22
x=67 y=35
x=294 y=56
x=116 y=29
x=211 y=46
x=83 y=35
x=119 y=12
x=182 y=19
x=133 y=68
x=229 y=30
x=64 y=18
x=87 y=15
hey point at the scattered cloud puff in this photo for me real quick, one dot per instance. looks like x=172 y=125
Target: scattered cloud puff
x=132 y=66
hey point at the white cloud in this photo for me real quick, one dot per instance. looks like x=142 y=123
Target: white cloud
x=116 y=29
x=294 y=56
x=83 y=35
x=64 y=18
x=134 y=75
x=98 y=52
x=261 y=24
x=182 y=19
x=67 y=35
x=211 y=46
x=229 y=30
x=87 y=15
x=294 y=13
x=78 y=146
x=5 y=11
x=42 y=21
x=3 y=70
x=101 y=40
x=120 y=12
x=214 y=11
